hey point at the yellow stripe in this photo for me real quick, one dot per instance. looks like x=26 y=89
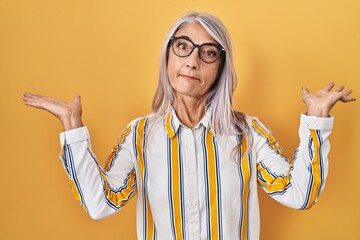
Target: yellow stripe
x=139 y=147
x=245 y=170
x=214 y=220
x=74 y=190
x=272 y=184
x=120 y=198
x=168 y=126
x=116 y=148
x=271 y=139
x=175 y=172
x=315 y=169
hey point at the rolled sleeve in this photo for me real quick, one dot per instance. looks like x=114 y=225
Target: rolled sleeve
x=313 y=122
x=74 y=135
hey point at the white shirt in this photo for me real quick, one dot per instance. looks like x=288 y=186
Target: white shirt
x=187 y=184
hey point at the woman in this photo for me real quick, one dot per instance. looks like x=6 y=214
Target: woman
x=195 y=163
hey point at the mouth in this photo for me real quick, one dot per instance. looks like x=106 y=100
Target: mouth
x=188 y=77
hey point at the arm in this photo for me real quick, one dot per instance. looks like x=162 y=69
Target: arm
x=100 y=191
x=298 y=183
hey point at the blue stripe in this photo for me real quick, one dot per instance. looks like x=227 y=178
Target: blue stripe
x=281 y=192
x=267 y=169
x=96 y=162
x=311 y=178
x=218 y=183
x=113 y=160
x=206 y=178
x=321 y=162
x=268 y=141
x=247 y=198
x=241 y=180
x=146 y=169
x=134 y=139
x=74 y=176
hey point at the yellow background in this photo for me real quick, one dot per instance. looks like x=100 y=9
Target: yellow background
x=108 y=52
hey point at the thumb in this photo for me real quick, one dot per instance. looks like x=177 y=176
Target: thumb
x=305 y=91
x=77 y=99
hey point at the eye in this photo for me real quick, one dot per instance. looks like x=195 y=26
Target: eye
x=209 y=52
x=182 y=46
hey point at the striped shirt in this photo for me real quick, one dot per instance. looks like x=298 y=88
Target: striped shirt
x=187 y=183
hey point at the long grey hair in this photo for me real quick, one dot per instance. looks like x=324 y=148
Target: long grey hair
x=219 y=100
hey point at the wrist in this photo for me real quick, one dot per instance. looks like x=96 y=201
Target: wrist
x=71 y=123
x=317 y=112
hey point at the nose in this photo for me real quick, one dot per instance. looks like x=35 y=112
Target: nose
x=193 y=60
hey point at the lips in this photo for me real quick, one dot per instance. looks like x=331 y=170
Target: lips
x=189 y=77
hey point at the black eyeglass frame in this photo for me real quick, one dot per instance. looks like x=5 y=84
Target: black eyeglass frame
x=221 y=49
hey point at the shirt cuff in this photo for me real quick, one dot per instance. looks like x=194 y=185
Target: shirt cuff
x=74 y=135
x=313 y=122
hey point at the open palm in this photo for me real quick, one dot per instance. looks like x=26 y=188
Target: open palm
x=321 y=102
x=69 y=113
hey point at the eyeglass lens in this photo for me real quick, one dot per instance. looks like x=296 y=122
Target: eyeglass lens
x=208 y=52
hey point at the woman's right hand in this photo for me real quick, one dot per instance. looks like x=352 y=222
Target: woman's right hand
x=69 y=113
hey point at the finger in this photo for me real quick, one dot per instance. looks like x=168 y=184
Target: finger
x=329 y=86
x=35 y=104
x=346 y=97
x=347 y=92
x=339 y=89
x=305 y=91
x=77 y=99
x=35 y=96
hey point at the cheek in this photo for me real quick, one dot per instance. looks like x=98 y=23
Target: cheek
x=211 y=75
x=172 y=67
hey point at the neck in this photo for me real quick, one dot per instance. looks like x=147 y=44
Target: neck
x=189 y=110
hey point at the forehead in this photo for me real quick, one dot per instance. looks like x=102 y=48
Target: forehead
x=195 y=32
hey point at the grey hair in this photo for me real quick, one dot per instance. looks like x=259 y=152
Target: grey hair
x=219 y=100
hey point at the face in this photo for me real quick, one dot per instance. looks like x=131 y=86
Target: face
x=190 y=76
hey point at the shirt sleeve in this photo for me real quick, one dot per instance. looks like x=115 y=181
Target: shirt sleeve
x=100 y=191
x=297 y=183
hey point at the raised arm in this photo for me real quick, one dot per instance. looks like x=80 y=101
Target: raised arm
x=297 y=183
x=100 y=191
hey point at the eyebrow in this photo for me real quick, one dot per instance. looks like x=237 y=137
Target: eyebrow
x=184 y=36
x=188 y=38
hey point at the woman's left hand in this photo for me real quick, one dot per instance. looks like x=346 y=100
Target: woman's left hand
x=321 y=102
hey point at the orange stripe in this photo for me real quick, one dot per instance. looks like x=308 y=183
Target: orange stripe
x=214 y=220
x=272 y=184
x=245 y=170
x=120 y=198
x=315 y=170
x=116 y=148
x=176 y=186
x=270 y=138
x=168 y=126
x=139 y=147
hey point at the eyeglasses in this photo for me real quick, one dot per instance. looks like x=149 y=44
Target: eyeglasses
x=208 y=52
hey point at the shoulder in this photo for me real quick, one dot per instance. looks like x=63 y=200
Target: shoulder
x=146 y=124
x=254 y=123
x=140 y=120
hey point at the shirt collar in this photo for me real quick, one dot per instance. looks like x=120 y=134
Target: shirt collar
x=172 y=122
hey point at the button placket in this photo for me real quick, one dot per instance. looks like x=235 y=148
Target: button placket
x=191 y=180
